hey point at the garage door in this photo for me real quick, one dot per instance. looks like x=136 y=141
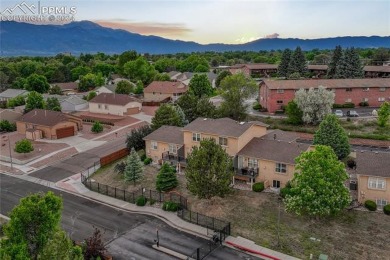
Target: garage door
x=65 y=132
x=132 y=111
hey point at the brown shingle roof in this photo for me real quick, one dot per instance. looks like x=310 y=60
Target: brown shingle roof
x=279 y=151
x=220 y=126
x=166 y=87
x=377 y=68
x=373 y=164
x=261 y=66
x=328 y=83
x=113 y=99
x=167 y=134
x=281 y=135
x=43 y=117
x=66 y=85
x=317 y=67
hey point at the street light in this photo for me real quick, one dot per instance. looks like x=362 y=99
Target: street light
x=10 y=155
x=157 y=240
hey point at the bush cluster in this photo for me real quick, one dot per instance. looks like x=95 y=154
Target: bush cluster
x=386 y=209
x=345 y=105
x=370 y=205
x=256 y=106
x=258 y=187
x=170 y=206
x=97 y=127
x=6 y=126
x=148 y=161
x=141 y=201
x=364 y=104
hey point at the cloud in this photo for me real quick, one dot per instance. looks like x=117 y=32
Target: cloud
x=272 y=36
x=247 y=39
x=147 y=28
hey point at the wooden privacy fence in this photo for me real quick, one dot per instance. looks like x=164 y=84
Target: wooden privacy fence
x=113 y=156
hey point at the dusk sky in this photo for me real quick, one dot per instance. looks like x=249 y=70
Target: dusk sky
x=235 y=21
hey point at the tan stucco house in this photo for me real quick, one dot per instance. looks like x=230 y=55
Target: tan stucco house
x=115 y=104
x=373 y=177
x=158 y=91
x=40 y=123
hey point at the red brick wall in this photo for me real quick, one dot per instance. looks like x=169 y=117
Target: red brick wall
x=268 y=98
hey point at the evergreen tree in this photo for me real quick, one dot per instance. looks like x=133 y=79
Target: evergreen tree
x=135 y=138
x=332 y=134
x=166 y=115
x=337 y=53
x=166 y=178
x=181 y=114
x=318 y=184
x=134 y=167
x=349 y=66
x=204 y=108
x=297 y=62
x=294 y=114
x=284 y=63
x=209 y=170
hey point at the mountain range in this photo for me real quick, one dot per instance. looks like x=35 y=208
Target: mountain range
x=17 y=39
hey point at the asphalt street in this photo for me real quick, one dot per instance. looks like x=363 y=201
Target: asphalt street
x=129 y=235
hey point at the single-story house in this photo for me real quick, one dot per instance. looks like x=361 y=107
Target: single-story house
x=10 y=115
x=40 y=123
x=161 y=90
x=106 y=89
x=74 y=103
x=12 y=93
x=115 y=104
x=67 y=86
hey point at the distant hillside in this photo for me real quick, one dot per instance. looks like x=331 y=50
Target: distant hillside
x=86 y=37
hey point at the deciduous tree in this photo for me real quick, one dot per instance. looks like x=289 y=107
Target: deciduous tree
x=139 y=69
x=135 y=138
x=314 y=103
x=24 y=146
x=55 y=90
x=332 y=134
x=37 y=83
x=134 y=167
x=236 y=89
x=294 y=114
x=53 y=104
x=200 y=85
x=209 y=170
x=124 y=87
x=32 y=224
x=188 y=103
x=166 y=178
x=384 y=114
x=94 y=246
x=90 y=81
x=34 y=100
x=318 y=188
x=221 y=76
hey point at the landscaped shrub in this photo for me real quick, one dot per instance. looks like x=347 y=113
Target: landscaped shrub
x=141 y=201
x=386 y=209
x=97 y=127
x=258 y=187
x=364 y=104
x=370 y=205
x=351 y=163
x=6 y=126
x=286 y=190
x=349 y=105
x=148 y=161
x=256 y=106
x=279 y=111
x=152 y=201
x=170 y=206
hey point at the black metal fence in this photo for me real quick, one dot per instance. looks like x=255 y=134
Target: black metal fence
x=220 y=226
x=128 y=196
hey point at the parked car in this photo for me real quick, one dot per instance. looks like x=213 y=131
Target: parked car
x=352 y=113
x=339 y=113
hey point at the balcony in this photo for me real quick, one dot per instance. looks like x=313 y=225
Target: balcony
x=174 y=158
x=246 y=174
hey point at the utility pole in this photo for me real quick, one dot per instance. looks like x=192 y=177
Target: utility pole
x=10 y=155
x=278 y=225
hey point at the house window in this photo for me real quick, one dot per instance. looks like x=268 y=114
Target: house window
x=252 y=163
x=99 y=106
x=106 y=107
x=275 y=184
x=279 y=101
x=366 y=89
x=365 y=99
x=348 y=100
x=196 y=137
x=376 y=183
x=280 y=167
x=153 y=145
x=382 y=89
x=381 y=99
x=223 y=141
x=381 y=203
x=173 y=148
x=280 y=91
x=348 y=89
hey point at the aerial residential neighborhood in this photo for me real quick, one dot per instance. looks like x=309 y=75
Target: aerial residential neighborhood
x=195 y=130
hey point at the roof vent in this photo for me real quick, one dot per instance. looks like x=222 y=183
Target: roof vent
x=376 y=152
x=204 y=119
x=362 y=151
x=241 y=123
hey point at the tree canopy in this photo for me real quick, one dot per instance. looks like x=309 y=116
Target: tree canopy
x=209 y=170
x=297 y=62
x=24 y=146
x=314 y=103
x=134 y=167
x=166 y=178
x=349 y=66
x=200 y=85
x=135 y=138
x=336 y=56
x=318 y=188
x=384 y=114
x=52 y=103
x=166 y=115
x=332 y=134
x=294 y=114
x=34 y=100
x=139 y=69
x=37 y=83
x=124 y=87
x=221 y=76
x=284 y=64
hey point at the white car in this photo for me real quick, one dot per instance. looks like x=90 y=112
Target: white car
x=339 y=113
